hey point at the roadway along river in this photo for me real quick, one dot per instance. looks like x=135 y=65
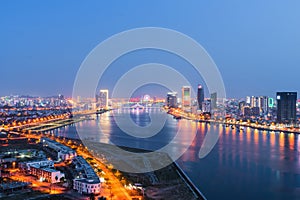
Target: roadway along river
x=244 y=164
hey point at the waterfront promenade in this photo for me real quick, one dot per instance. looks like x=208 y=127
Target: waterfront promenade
x=238 y=124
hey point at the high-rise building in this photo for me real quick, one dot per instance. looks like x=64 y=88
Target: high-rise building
x=78 y=99
x=266 y=105
x=102 y=99
x=254 y=101
x=242 y=104
x=171 y=100
x=186 y=98
x=286 y=107
x=246 y=111
x=263 y=104
x=200 y=96
x=213 y=101
x=206 y=106
x=248 y=100
x=61 y=97
x=271 y=102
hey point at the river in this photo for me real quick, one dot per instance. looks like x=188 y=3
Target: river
x=244 y=164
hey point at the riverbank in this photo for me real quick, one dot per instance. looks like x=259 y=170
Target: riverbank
x=167 y=182
x=48 y=126
x=158 y=184
x=236 y=123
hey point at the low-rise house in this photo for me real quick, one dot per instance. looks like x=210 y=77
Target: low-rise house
x=46 y=174
x=43 y=170
x=88 y=182
x=63 y=152
x=87 y=186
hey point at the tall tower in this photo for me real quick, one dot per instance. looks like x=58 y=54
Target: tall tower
x=171 y=99
x=186 y=98
x=200 y=96
x=265 y=105
x=286 y=107
x=248 y=100
x=254 y=102
x=213 y=101
x=103 y=99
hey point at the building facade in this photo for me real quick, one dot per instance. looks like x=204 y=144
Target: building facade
x=286 y=107
x=42 y=163
x=200 y=96
x=213 y=101
x=102 y=99
x=43 y=170
x=46 y=174
x=88 y=181
x=87 y=186
x=63 y=152
x=171 y=100
x=186 y=98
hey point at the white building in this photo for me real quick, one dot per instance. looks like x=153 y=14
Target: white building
x=46 y=174
x=88 y=181
x=63 y=152
x=43 y=170
x=102 y=99
x=186 y=98
x=41 y=163
x=87 y=186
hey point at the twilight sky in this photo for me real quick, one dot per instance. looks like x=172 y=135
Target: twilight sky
x=255 y=44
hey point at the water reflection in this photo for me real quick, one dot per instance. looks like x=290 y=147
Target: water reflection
x=291 y=141
x=244 y=164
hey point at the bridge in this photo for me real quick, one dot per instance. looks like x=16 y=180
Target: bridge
x=140 y=106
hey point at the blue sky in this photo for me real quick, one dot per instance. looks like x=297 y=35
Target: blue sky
x=255 y=44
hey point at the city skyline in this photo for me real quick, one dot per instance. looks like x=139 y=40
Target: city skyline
x=149 y=100
x=252 y=51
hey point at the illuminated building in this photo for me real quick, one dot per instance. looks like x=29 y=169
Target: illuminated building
x=254 y=101
x=200 y=96
x=42 y=163
x=171 y=100
x=102 y=99
x=213 y=101
x=206 y=105
x=43 y=170
x=255 y=111
x=186 y=98
x=248 y=100
x=78 y=99
x=286 y=107
x=87 y=186
x=271 y=102
x=63 y=152
x=263 y=104
x=46 y=174
x=87 y=182
x=246 y=111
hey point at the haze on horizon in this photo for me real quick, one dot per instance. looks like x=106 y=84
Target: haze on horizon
x=255 y=44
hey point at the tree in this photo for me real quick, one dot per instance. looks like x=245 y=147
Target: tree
x=62 y=179
x=92 y=196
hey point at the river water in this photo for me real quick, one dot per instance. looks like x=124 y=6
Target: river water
x=244 y=164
